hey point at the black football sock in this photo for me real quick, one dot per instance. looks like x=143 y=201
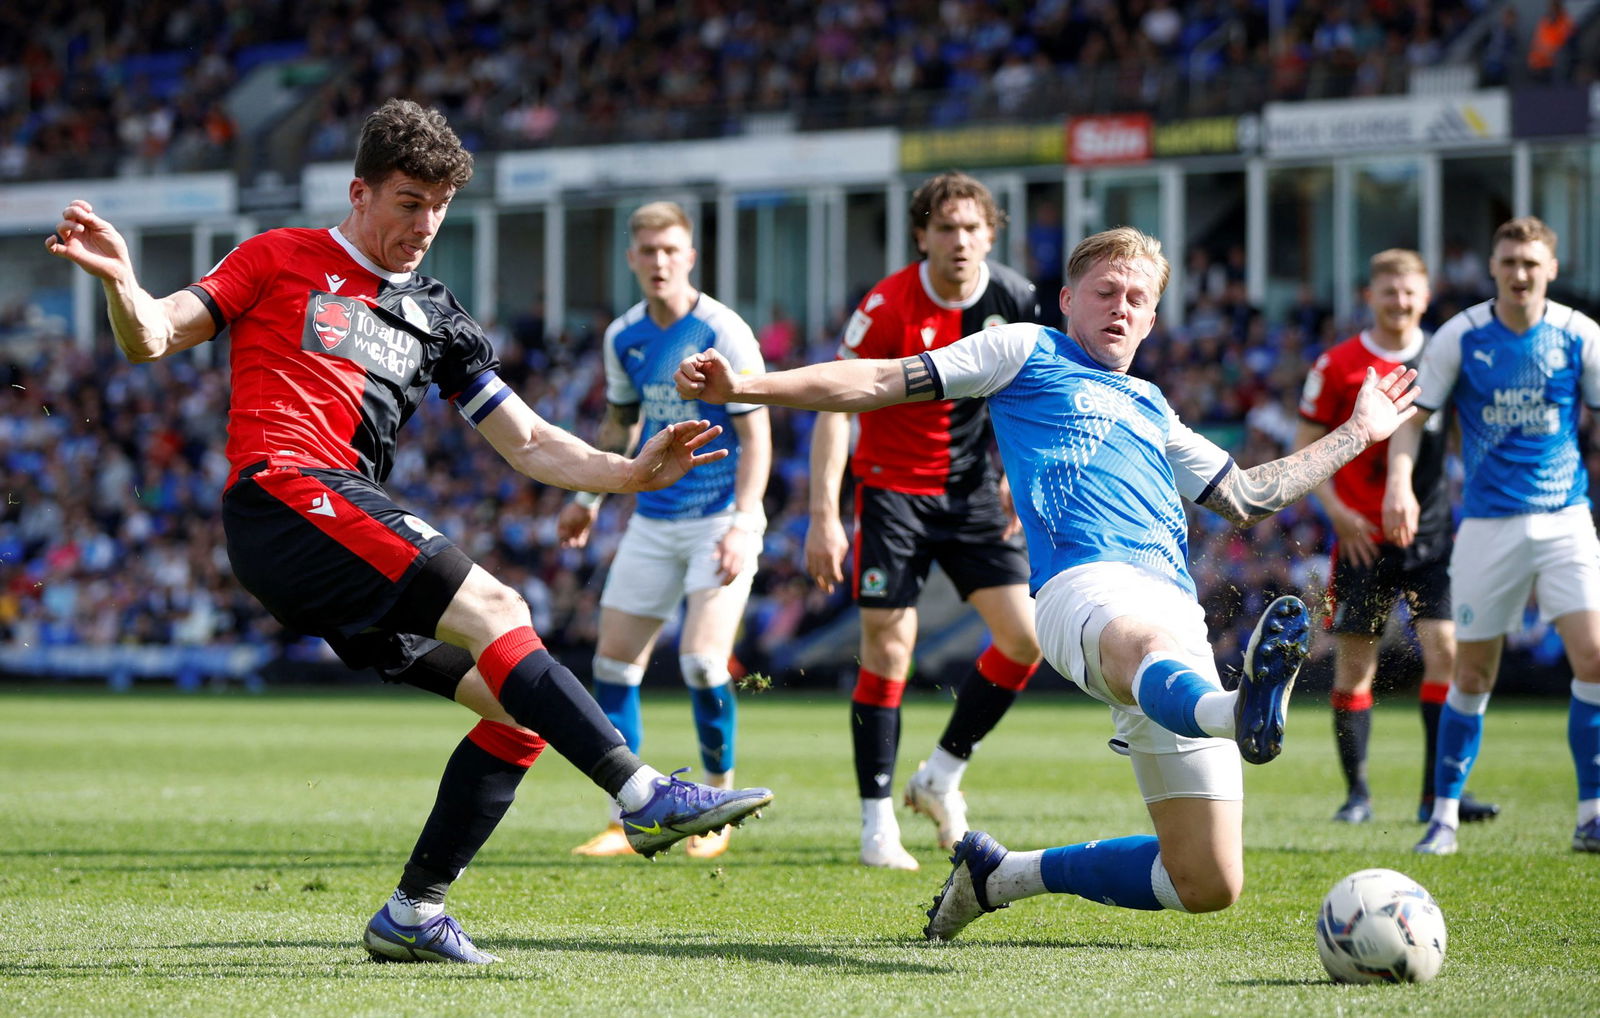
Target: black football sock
x=1352 y=727
x=980 y=704
x=1430 y=753
x=541 y=694
x=875 y=732
x=474 y=793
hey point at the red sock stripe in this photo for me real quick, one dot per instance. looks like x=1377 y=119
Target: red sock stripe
x=876 y=691
x=505 y=653
x=1350 y=701
x=341 y=519
x=1434 y=692
x=1004 y=672
x=513 y=745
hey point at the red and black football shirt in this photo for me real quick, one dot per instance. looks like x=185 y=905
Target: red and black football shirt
x=932 y=447
x=1328 y=398
x=331 y=354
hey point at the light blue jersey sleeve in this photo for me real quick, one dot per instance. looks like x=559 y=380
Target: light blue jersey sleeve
x=1197 y=462
x=620 y=390
x=1589 y=333
x=1441 y=358
x=735 y=341
x=985 y=362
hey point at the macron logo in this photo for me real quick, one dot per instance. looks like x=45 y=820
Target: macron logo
x=1487 y=356
x=929 y=334
x=322 y=505
x=334 y=282
x=873 y=301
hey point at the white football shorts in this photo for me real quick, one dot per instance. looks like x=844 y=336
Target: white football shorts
x=1074 y=608
x=658 y=562
x=1499 y=561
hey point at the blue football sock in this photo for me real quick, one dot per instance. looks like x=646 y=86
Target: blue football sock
x=1114 y=872
x=1167 y=690
x=1583 y=735
x=1460 y=737
x=715 y=713
x=621 y=704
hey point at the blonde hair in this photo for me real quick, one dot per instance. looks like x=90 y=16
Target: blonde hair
x=1526 y=230
x=1396 y=261
x=1119 y=244
x=658 y=215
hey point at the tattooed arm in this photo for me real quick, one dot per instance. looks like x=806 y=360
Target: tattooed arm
x=1249 y=496
x=850 y=386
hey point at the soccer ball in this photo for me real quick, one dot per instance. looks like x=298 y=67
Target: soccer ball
x=1380 y=926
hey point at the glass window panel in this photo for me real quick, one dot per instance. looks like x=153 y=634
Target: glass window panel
x=1386 y=201
x=1475 y=200
x=36 y=284
x=590 y=268
x=1126 y=201
x=864 y=237
x=1564 y=195
x=1299 y=236
x=519 y=275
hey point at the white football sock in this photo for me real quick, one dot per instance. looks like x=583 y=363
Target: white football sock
x=408 y=911
x=1019 y=875
x=1447 y=811
x=1588 y=809
x=639 y=788
x=944 y=770
x=1213 y=712
x=877 y=818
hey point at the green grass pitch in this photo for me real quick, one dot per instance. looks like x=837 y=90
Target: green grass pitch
x=217 y=855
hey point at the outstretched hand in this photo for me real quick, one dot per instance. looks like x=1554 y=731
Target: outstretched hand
x=1383 y=404
x=89 y=242
x=707 y=376
x=672 y=452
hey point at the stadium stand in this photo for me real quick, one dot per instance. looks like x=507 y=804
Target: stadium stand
x=134 y=558
x=123 y=87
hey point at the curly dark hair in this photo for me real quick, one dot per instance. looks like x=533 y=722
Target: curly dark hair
x=402 y=136
x=937 y=191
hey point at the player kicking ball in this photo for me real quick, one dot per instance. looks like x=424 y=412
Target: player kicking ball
x=1099 y=465
x=336 y=338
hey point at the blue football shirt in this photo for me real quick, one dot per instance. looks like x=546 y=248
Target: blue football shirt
x=640 y=360
x=1098 y=461
x=1517 y=398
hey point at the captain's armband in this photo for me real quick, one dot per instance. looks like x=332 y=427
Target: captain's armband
x=919 y=379
x=478 y=400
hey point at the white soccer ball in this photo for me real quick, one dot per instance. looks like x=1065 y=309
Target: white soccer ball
x=1380 y=926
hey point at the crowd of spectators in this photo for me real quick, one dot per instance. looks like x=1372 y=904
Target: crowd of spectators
x=124 y=87
x=109 y=532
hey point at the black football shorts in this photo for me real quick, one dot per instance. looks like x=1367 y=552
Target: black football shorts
x=900 y=536
x=330 y=555
x=1364 y=596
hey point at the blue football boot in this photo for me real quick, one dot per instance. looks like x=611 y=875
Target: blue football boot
x=965 y=895
x=1586 y=837
x=1439 y=839
x=1271 y=661
x=678 y=809
x=439 y=939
